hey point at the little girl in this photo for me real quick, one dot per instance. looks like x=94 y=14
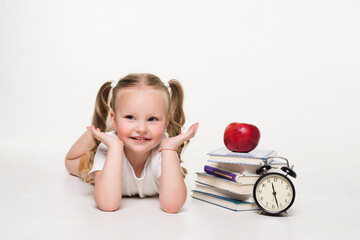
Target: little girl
x=134 y=144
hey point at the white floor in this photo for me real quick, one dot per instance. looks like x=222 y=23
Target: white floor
x=40 y=200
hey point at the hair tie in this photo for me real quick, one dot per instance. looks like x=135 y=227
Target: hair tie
x=113 y=84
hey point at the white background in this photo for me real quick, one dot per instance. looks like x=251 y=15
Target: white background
x=289 y=67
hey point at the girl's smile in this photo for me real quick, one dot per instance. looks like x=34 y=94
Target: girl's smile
x=140 y=139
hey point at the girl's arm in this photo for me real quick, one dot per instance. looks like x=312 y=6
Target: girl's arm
x=172 y=188
x=108 y=191
x=80 y=147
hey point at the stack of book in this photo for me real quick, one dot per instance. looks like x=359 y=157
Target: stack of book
x=229 y=177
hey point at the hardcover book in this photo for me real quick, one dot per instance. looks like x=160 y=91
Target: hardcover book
x=254 y=157
x=234 y=167
x=228 y=203
x=225 y=184
x=222 y=192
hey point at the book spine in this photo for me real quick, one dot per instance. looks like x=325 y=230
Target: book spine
x=221 y=173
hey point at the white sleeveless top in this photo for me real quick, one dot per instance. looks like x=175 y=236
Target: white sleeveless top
x=146 y=185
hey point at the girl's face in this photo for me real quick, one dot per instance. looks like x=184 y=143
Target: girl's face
x=140 y=118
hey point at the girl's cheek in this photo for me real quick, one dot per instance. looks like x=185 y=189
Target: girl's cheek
x=159 y=130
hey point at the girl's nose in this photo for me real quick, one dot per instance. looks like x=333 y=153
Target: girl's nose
x=141 y=127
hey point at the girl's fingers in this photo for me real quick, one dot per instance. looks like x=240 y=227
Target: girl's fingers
x=95 y=132
x=191 y=132
x=193 y=129
x=174 y=142
x=91 y=127
x=103 y=137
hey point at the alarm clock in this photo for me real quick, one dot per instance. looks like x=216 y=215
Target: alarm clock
x=274 y=193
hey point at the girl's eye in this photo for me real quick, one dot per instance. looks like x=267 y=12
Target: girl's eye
x=152 y=119
x=130 y=117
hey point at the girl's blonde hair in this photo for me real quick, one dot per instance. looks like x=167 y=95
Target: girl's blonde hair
x=105 y=101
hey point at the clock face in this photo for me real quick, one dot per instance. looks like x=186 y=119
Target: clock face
x=274 y=193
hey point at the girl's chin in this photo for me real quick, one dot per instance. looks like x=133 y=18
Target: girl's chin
x=142 y=147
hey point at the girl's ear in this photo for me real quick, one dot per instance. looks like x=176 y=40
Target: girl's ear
x=112 y=118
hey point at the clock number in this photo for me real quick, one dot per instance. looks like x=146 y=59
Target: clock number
x=275 y=179
x=263 y=185
x=268 y=181
x=267 y=203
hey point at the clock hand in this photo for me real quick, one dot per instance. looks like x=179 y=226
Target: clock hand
x=276 y=201
x=274 y=193
x=273 y=190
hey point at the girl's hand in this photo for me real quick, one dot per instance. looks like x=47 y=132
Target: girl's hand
x=107 y=139
x=175 y=142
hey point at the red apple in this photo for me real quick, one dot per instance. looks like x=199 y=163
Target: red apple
x=241 y=137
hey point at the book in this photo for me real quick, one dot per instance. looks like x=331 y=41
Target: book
x=254 y=157
x=239 y=177
x=225 y=184
x=246 y=168
x=222 y=192
x=234 y=167
x=228 y=203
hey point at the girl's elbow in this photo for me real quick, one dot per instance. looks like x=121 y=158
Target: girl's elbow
x=171 y=206
x=172 y=203
x=108 y=207
x=107 y=204
x=72 y=166
x=171 y=209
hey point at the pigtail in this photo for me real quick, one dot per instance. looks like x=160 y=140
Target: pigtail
x=177 y=116
x=100 y=120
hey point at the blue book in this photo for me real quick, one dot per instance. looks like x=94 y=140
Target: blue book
x=225 y=202
x=254 y=157
x=225 y=184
